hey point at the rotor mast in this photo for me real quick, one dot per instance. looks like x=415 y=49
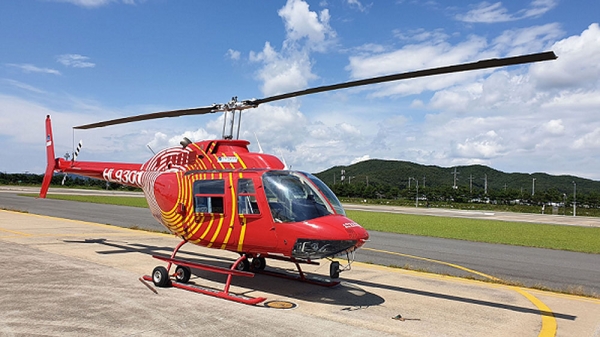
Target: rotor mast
x=231 y=109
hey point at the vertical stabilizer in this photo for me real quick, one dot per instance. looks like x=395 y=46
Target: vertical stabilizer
x=49 y=158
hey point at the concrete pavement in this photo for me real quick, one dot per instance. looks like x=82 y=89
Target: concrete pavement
x=67 y=277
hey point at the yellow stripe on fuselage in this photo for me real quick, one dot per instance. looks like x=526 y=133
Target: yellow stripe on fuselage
x=233 y=212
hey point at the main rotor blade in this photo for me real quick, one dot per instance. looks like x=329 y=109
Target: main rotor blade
x=491 y=63
x=155 y=115
x=235 y=105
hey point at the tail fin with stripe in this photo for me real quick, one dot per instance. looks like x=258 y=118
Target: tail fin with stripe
x=51 y=166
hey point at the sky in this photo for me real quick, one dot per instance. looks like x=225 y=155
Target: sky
x=85 y=61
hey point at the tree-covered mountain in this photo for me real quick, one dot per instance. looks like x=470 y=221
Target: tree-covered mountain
x=389 y=178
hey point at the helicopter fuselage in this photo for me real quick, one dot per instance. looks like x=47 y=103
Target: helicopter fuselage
x=218 y=194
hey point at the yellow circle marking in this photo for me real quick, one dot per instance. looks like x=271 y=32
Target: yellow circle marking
x=280 y=305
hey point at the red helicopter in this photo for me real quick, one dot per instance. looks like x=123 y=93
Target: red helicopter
x=218 y=194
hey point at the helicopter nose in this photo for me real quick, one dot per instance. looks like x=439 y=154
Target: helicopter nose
x=345 y=235
x=166 y=191
x=356 y=232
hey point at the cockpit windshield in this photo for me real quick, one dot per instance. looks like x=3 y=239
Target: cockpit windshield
x=292 y=197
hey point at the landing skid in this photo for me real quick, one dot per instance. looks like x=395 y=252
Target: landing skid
x=213 y=292
x=161 y=278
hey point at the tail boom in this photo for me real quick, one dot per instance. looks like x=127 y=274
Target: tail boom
x=122 y=173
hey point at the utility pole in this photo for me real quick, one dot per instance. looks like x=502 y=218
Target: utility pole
x=471 y=184
x=485 y=184
x=533 y=187
x=417 y=184
x=417 y=197
x=455 y=173
x=574 y=198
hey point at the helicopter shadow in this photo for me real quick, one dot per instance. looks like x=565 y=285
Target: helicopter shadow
x=344 y=294
x=350 y=293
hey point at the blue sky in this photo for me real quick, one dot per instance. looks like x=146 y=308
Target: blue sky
x=84 y=61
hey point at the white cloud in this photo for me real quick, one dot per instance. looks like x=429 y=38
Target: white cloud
x=75 y=61
x=483 y=146
x=303 y=25
x=416 y=57
x=542 y=115
x=283 y=73
x=590 y=140
x=291 y=68
x=574 y=67
x=421 y=35
x=24 y=86
x=162 y=140
x=358 y=5
x=359 y=159
x=30 y=68
x=233 y=54
x=554 y=127
x=528 y=40
x=485 y=12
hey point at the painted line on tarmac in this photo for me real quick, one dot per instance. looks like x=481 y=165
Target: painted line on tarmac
x=13 y=232
x=566 y=296
x=86 y=223
x=549 y=326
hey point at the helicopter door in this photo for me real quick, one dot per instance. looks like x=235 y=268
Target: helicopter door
x=250 y=217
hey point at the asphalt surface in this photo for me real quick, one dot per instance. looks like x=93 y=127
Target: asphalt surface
x=553 y=269
x=73 y=278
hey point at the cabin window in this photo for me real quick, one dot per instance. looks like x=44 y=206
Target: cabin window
x=247 y=197
x=208 y=196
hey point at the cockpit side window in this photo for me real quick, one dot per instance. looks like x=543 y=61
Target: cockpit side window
x=328 y=193
x=247 y=203
x=208 y=196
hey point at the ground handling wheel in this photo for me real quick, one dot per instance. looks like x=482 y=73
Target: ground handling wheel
x=259 y=263
x=160 y=277
x=183 y=274
x=334 y=270
x=244 y=265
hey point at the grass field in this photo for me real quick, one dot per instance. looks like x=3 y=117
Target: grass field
x=572 y=238
x=98 y=199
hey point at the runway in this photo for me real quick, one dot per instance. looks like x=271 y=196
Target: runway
x=526 y=266
x=69 y=277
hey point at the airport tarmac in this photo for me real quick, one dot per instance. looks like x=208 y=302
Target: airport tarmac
x=66 y=277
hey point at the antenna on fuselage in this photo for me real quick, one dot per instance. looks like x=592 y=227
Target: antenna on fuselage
x=148 y=145
x=260 y=150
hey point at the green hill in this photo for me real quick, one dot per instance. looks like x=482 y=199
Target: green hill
x=385 y=175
